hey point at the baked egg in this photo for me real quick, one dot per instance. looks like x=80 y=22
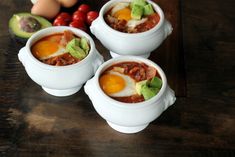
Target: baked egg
x=45 y=49
x=122 y=11
x=116 y=84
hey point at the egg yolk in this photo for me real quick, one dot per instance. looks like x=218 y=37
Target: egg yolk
x=44 y=49
x=111 y=83
x=123 y=14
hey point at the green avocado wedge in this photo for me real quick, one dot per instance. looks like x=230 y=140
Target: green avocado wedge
x=137 y=11
x=149 y=88
x=84 y=45
x=148 y=9
x=149 y=92
x=138 y=2
x=24 y=25
x=78 y=48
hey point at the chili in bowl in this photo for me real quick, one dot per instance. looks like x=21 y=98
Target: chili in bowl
x=129 y=93
x=61 y=49
x=125 y=28
x=60 y=59
x=132 y=17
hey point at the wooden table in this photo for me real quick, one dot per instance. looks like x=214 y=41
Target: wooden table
x=198 y=59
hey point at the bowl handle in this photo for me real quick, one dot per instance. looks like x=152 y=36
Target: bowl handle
x=94 y=26
x=89 y=88
x=169 y=97
x=167 y=28
x=98 y=60
x=22 y=55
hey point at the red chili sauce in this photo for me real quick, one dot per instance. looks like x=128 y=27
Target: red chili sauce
x=121 y=25
x=138 y=72
x=51 y=49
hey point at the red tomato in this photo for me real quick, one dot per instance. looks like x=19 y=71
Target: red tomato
x=79 y=15
x=84 y=8
x=78 y=24
x=65 y=16
x=59 y=22
x=91 y=16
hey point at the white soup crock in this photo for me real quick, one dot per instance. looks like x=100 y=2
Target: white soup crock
x=60 y=80
x=129 y=117
x=137 y=44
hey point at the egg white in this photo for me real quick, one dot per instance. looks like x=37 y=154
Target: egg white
x=119 y=6
x=129 y=88
x=133 y=23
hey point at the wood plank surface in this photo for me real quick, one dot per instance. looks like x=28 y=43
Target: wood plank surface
x=200 y=124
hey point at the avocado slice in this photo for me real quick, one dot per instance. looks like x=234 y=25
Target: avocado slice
x=73 y=47
x=24 y=25
x=148 y=92
x=137 y=11
x=148 y=88
x=148 y=9
x=138 y=2
x=84 y=45
x=139 y=86
x=156 y=82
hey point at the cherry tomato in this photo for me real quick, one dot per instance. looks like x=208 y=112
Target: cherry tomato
x=59 y=22
x=79 y=15
x=78 y=24
x=91 y=16
x=65 y=16
x=84 y=8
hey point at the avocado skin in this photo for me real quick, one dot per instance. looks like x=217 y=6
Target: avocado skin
x=16 y=38
x=20 y=35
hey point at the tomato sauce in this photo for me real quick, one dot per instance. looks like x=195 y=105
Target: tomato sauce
x=138 y=72
x=51 y=49
x=121 y=25
x=152 y=21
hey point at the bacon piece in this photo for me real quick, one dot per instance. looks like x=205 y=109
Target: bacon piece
x=138 y=73
x=62 y=60
x=66 y=37
x=151 y=72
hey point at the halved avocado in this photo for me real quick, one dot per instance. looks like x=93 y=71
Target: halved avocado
x=24 y=25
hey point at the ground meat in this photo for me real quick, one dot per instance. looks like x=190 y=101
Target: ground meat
x=121 y=25
x=138 y=72
x=61 y=60
x=130 y=99
x=151 y=72
x=152 y=21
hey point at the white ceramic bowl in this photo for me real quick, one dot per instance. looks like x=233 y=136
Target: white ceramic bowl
x=128 y=117
x=60 y=80
x=138 y=44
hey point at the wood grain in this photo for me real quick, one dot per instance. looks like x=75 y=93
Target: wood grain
x=199 y=124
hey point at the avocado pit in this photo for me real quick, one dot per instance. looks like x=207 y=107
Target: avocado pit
x=29 y=24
